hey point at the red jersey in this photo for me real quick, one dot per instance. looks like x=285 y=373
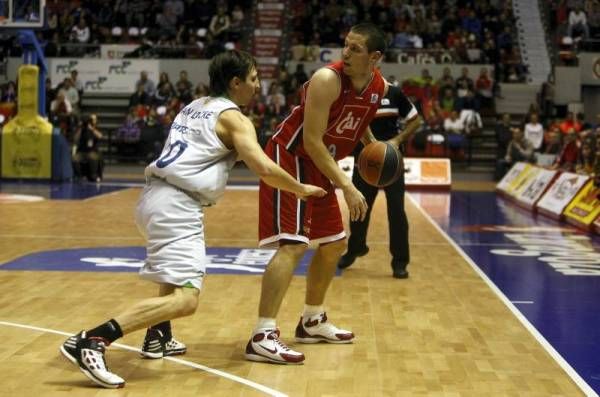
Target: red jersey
x=349 y=116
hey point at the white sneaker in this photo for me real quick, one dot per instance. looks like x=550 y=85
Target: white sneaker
x=265 y=346
x=315 y=329
x=156 y=346
x=88 y=355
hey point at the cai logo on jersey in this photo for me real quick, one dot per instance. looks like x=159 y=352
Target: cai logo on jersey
x=349 y=122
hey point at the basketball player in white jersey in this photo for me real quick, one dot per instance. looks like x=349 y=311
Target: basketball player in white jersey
x=204 y=141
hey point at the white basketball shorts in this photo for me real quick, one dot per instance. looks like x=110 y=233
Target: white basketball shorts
x=172 y=223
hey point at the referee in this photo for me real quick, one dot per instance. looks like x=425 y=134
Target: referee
x=394 y=107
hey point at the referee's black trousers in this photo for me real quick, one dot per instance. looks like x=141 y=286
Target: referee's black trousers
x=397 y=222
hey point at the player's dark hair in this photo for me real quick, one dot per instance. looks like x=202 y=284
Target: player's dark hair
x=227 y=65
x=374 y=35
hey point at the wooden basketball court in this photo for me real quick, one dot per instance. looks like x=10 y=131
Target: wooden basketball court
x=442 y=332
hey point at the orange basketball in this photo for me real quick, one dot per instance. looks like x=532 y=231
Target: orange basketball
x=380 y=164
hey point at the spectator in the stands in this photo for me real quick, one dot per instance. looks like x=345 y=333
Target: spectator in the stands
x=183 y=78
x=149 y=86
x=534 y=132
x=447 y=101
x=163 y=95
x=71 y=94
x=183 y=94
x=454 y=129
x=567 y=158
x=80 y=33
x=87 y=156
x=503 y=132
x=61 y=113
x=586 y=158
x=151 y=137
x=519 y=149
x=578 y=23
x=219 y=24
x=77 y=83
x=164 y=82
x=9 y=92
x=569 y=124
x=465 y=81
x=446 y=79
x=484 y=87
x=200 y=91
x=139 y=97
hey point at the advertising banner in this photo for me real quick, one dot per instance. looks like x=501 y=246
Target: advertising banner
x=536 y=186
x=104 y=75
x=561 y=193
x=422 y=172
x=27 y=138
x=585 y=207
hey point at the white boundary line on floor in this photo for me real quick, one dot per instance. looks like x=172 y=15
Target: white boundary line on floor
x=536 y=334
x=200 y=367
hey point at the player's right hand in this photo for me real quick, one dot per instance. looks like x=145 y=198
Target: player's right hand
x=357 y=205
x=310 y=191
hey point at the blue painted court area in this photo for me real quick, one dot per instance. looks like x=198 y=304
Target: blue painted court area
x=221 y=260
x=547 y=269
x=61 y=190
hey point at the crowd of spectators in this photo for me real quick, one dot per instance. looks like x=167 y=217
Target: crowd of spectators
x=171 y=28
x=566 y=144
x=481 y=32
x=572 y=24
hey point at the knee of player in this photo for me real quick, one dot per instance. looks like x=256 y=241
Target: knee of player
x=186 y=302
x=335 y=248
x=293 y=248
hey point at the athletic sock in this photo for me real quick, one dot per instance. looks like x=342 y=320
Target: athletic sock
x=110 y=330
x=265 y=323
x=165 y=329
x=311 y=310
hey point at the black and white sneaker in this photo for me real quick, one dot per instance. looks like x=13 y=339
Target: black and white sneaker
x=88 y=354
x=156 y=346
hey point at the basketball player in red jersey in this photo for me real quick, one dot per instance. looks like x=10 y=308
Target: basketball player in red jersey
x=337 y=105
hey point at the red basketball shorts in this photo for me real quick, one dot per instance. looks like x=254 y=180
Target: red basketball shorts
x=284 y=217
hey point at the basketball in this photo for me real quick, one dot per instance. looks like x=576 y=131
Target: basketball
x=380 y=164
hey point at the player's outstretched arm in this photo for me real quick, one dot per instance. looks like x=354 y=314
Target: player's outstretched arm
x=237 y=130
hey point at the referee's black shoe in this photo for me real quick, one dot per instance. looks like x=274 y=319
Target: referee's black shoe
x=399 y=269
x=349 y=257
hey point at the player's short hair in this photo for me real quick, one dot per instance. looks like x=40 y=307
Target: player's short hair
x=374 y=35
x=227 y=65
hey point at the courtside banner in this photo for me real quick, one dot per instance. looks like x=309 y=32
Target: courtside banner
x=509 y=178
x=585 y=207
x=596 y=225
x=517 y=183
x=116 y=51
x=561 y=193
x=536 y=186
x=104 y=75
x=424 y=172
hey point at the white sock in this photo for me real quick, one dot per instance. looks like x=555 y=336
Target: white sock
x=265 y=323
x=310 y=310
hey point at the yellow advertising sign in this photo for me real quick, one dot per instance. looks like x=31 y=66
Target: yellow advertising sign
x=515 y=185
x=27 y=138
x=585 y=207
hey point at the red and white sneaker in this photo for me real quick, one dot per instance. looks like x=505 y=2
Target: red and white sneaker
x=315 y=329
x=265 y=346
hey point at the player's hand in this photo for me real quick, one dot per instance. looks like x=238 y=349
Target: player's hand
x=357 y=205
x=310 y=191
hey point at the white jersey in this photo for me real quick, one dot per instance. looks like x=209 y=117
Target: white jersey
x=194 y=158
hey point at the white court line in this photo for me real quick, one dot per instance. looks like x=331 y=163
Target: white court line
x=200 y=367
x=522 y=302
x=536 y=334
